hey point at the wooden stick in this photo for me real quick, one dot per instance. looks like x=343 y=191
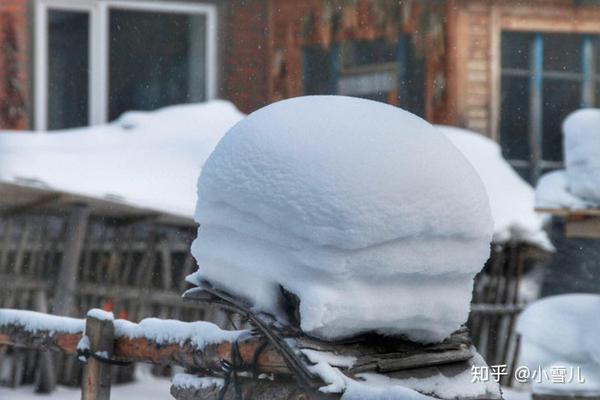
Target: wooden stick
x=96 y=374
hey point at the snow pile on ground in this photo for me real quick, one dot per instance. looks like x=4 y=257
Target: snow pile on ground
x=561 y=332
x=578 y=186
x=512 y=200
x=145 y=387
x=364 y=211
x=149 y=159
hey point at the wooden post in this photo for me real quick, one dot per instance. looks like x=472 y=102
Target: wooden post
x=100 y=330
x=64 y=297
x=46 y=372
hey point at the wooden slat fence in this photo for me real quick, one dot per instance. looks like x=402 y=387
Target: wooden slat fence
x=497 y=303
x=71 y=260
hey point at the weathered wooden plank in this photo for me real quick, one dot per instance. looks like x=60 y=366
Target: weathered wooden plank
x=64 y=297
x=145 y=350
x=563 y=212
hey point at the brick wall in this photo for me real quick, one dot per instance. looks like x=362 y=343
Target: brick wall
x=246 y=54
x=13 y=64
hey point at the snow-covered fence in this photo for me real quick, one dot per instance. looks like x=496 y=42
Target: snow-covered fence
x=192 y=345
x=497 y=302
x=67 y=254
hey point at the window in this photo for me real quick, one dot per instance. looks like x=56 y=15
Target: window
x=381 y=70
x=544 y=78
x=96 y=60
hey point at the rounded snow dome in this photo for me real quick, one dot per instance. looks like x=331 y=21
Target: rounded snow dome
x=365 y=211
x=582 y=153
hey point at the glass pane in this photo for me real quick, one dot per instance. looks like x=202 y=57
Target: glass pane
x=560 y=97
x=412 y=80
x=156 y=59
x=516 y=50
x=68 y=68
x=562 y=52
x=318 y=71
x=514 y=117
x=366 y=52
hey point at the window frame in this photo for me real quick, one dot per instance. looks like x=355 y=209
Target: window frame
x=98 y=44
x=537 y=74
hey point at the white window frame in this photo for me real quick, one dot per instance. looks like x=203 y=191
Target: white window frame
x=98 y=45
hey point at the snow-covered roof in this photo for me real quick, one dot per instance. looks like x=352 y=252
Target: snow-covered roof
x=147 y=159
x=512 y=200
x=578 y=185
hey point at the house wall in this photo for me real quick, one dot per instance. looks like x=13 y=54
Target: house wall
x=265 y=56
x=14 y=59
x=246 y=54
x=474 y=30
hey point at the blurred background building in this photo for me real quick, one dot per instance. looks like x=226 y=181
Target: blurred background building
x=67 y=63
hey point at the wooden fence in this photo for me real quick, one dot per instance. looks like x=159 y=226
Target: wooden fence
x=65 y=254
x=497 y=302
x=161 y=342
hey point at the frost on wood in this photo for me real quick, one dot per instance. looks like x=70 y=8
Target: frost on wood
x=148 y=159
x=562 y=331
x=578 y=186
x=364 y=211
x=512 y=200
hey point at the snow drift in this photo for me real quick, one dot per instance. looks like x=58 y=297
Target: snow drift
x=149 y=159
x=364 y=211
x=563 y=331
x=578 y=186
x=512 y=200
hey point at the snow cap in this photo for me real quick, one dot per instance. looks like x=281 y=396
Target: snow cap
x=365 y=211
x=582 y=154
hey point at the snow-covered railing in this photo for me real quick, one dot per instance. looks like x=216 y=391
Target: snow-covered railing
x=579 y=223
x=192 y=345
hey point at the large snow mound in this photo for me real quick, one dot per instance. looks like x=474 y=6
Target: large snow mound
x=578 y=185
x=364 y=211
x=562 y=331
x=148 y=159
x=512 y=200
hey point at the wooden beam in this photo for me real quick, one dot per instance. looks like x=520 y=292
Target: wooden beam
x=148 y=351
x=564 y=212
x=41 y=201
